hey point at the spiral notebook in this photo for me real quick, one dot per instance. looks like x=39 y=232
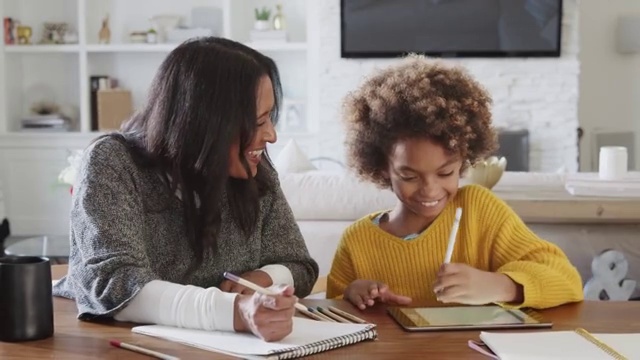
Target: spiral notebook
x=566 y=345
x=308 y=337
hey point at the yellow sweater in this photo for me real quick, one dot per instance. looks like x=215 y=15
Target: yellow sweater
x=491 y=237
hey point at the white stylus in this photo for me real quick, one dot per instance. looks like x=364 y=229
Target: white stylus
x=452 y=236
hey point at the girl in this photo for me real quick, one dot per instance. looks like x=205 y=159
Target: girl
x=414 y=128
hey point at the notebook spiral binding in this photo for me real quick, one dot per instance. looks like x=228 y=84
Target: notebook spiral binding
x=604 y=347
x=370 y=333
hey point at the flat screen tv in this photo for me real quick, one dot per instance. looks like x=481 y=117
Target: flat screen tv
x=450 y=28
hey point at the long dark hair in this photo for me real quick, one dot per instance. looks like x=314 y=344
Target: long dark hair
x=202 y=98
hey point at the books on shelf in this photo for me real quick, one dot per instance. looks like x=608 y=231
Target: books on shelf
x=110 y=105
x=48 y=122
x=97 y=82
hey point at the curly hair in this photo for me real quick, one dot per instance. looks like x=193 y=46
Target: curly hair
x=417 y=98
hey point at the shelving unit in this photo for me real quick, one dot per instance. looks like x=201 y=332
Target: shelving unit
x=60 y=73
x=31 y=161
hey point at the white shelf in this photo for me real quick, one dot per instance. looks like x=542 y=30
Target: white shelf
x=41 y=48
x=154 y=48
x=277 y=46
x=43 y=139
x=138 y=48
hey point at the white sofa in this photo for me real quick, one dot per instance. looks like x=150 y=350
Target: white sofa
x=324 y=203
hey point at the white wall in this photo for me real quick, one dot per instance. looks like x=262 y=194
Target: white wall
x=2 y=210
x=538 y=94
x=610 y=82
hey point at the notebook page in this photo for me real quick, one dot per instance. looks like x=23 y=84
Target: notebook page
x=542 y=345
x=305 y=331
x=627 y=345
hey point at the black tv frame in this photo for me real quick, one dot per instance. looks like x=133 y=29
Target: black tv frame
x=450 y=54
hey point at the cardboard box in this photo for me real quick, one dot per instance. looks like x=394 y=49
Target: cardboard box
x=114 y=107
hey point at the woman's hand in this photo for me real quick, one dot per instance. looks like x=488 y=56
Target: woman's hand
x=363 y=293
x=257 y=277
x=463 y=284
x=269 y=317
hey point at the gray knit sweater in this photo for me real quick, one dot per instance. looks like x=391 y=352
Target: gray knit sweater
x=127 y=230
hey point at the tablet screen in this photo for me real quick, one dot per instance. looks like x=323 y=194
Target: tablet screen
x=490 y=316
x=471 y=315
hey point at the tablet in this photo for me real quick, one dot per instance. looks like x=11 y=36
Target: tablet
x=465 y=317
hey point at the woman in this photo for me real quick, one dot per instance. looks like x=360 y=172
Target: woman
x=184 y=193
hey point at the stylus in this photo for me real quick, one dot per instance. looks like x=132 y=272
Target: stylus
x=452 y=236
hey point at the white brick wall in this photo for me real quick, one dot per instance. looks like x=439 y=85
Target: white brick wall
x=538 y=94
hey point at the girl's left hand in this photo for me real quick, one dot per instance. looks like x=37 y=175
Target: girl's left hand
x=463 y=284
x=257 y=277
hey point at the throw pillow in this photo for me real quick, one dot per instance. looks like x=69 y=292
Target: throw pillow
x=292 y=159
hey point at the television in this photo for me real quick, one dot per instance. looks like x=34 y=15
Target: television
x=450 y=28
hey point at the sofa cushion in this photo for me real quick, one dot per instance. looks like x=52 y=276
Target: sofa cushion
x=328 y=195
x=340 y=195
x=292 y=159
x=322 y=238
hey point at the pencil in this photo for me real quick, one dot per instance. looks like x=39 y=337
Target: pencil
x=141 y=350
x=333 y=316
x=256 y=288
x=346 y=315
x=323 y=316
x=452 y=236
x=311 y=315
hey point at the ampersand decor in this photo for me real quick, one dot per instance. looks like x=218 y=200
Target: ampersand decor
x=609 y=280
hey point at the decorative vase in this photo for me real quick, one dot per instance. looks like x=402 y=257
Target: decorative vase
x=104 y=36
x=278 y=19
x=488 y=172
x=24 y=35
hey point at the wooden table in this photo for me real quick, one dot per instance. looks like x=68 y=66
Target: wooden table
x=75 y=339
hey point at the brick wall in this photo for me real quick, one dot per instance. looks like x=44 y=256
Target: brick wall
x=540 y=94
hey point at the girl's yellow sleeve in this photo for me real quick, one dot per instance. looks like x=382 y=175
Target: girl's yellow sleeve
x=543 y=270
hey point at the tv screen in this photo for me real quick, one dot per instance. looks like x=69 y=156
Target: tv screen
x=450 y=28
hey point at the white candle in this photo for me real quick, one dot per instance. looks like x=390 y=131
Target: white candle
x=613 y=162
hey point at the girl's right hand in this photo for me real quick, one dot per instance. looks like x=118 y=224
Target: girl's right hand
x=269 y=317
x=363 y=293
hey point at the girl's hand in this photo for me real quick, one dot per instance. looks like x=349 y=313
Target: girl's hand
x=363 y=293
x=463 y=284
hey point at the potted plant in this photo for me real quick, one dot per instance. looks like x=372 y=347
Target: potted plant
x=152 y=36
x=262 y=19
